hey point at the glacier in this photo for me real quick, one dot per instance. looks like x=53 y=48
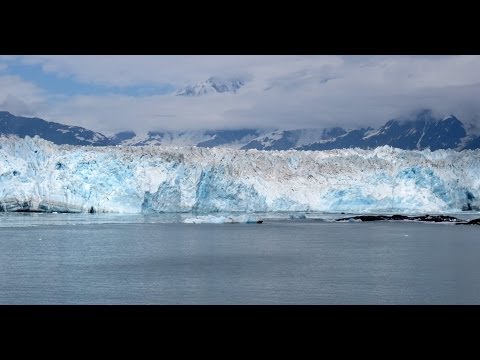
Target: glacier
x=37 y=175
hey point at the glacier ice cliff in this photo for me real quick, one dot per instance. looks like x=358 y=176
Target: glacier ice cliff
x=36 y=175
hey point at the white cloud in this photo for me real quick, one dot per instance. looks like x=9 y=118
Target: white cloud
x=15 y=105
x=130 y=70
x=303 y=91
x=20 y=97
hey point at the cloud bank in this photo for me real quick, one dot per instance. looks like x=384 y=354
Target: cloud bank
x=280 y=91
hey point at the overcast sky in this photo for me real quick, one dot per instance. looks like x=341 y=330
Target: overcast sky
x=116 y=93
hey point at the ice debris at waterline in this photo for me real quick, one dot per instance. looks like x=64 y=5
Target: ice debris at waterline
x=36 y=175
x=211 y=219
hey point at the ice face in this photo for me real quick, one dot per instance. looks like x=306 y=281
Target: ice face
x=40 y=176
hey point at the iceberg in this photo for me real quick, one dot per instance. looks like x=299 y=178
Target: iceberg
x=37 y=175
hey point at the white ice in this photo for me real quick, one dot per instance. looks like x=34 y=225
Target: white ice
x=37 y=175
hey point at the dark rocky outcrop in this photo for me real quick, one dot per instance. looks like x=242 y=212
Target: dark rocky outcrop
x=471 y=222
x=366 y=218
x=399 y=217
x=435 y=218
x=423 y=218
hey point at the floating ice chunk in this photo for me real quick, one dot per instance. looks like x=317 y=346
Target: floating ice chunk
x=213 y=219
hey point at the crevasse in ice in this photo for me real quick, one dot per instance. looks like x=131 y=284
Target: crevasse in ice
x=38 y=175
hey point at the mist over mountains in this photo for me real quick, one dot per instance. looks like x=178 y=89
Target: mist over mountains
x=416 y=132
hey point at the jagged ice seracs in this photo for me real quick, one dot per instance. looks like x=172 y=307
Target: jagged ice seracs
x=37 y=175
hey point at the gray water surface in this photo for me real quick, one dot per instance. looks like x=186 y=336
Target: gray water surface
x=277 y=262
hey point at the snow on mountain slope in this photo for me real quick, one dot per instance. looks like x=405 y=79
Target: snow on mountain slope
x=37 y=175
x=168 y=138
x=415 y=132
x=291 y=139
x=211 y=86
x=58 y=133
x=234 y=139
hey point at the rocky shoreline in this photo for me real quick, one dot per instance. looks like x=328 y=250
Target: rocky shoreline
x=421 y=218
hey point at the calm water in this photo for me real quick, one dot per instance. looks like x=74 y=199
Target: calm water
x=277 y=262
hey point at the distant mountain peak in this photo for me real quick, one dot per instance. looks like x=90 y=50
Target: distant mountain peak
x=57 y=133
x=211 y=86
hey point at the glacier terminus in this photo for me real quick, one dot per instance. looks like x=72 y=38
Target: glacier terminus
x=37 y=175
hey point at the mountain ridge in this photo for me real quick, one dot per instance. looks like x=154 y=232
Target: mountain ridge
x=418 y=132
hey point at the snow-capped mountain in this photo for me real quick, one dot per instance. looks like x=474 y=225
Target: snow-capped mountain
x=211 y=86
x=55 y=132
x=37 y=175
x=421 y=131
x=121 y=137
x=74 y=135
x=292 y=139
x=211 y=138
x=418 y=132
